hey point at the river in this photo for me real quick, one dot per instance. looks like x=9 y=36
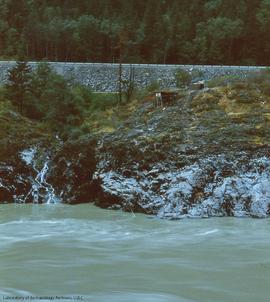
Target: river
x=82 y=253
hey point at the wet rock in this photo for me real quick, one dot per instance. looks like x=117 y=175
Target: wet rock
x=192 y=160
x=196 y=190
x=14 y=182
x=72 y=171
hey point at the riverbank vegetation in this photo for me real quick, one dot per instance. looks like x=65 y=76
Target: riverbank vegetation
x=38 y=103
x=129 y=145
x=170 y=31
x=47 y=100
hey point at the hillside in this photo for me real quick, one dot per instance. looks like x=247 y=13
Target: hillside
x=204 y=154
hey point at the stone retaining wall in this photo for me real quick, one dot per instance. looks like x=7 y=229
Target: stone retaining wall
x=104 y=76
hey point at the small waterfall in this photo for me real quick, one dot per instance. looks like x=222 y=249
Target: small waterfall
x=41 y=191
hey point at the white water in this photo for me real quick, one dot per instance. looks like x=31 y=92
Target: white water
x=104 y=256
x=41 y=191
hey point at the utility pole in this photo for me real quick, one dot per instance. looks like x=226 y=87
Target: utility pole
x=120 y=76
x=121 y=45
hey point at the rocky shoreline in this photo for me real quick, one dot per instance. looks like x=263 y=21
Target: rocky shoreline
x=206 y=154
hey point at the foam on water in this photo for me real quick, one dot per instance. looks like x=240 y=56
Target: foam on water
x=209 y=232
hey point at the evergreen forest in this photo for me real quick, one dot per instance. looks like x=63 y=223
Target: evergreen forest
x=137 y=31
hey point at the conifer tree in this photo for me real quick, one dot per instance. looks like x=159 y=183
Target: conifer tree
x=19 y=84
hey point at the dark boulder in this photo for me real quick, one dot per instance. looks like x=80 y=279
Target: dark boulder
x=72 y=171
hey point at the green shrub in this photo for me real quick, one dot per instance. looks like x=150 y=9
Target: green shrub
x=153 y=86
x=46 y=96
x=102 y=101
x=183 y=78
x=2 y=94
x=196 y=73
x=83 y=92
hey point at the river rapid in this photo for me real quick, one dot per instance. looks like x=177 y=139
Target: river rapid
x=85 y=253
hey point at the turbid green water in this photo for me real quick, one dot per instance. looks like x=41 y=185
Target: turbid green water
x=56 y=250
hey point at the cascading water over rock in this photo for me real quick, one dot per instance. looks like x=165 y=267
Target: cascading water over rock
x=41 y=191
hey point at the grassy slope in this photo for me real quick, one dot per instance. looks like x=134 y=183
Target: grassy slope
x=229 y=114
x=18 y=132
x=233 y=117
